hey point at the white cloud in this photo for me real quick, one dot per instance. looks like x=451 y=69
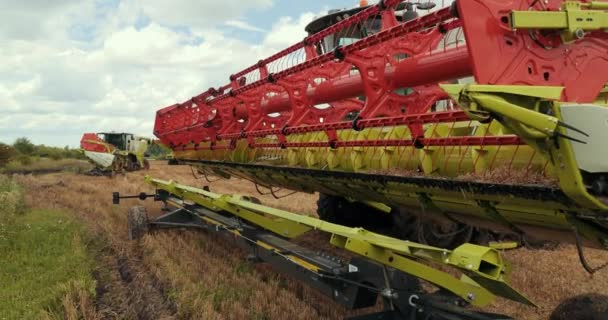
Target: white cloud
x=243 y=25
x=7 y=101
x=198 y=14
x=288 y=31
x=146 y=46
x=36 y=19
x=54 y=87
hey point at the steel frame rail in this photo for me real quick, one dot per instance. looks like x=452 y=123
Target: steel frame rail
x=484 y=271
x=355 y=284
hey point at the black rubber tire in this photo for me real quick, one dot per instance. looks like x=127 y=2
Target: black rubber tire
x=137 y=222
x=399 y=223
x=430 y=233
x=408 y=226
x=172 y=162
x=591 y=306
x=338 y=210
x=131 y=163
x=404 y=224
x=328 y=208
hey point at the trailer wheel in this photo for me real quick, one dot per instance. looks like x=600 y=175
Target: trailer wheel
x=137 y=222
x=408 y=226
x=329 y=208
x=404 y=224
x=352 y=214
x=433 y=234
x=590 y=306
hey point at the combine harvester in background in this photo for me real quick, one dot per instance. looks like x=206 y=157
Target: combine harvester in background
x=480 y=115
x=113 y=152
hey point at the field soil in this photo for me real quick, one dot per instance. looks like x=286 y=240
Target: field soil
x=182 y=274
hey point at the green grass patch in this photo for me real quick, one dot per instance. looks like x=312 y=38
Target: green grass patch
x=45 y=165
x=12 y=202
x=225 y=294
x=46 y=267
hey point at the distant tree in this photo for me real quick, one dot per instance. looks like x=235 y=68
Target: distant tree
x=158 y=151
x=24 y=159
x=6 y=153
x=24 y=146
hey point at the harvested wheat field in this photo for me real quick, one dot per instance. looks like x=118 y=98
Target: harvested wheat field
x=182 y=274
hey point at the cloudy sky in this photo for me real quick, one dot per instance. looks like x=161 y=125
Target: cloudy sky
x=74 y=66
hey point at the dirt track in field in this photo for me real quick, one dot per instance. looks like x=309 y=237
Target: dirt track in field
x=185 y=274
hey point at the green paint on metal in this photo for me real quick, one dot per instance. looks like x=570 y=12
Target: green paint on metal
x=519 y=109
x=481 y=264
x=373 y=204
x=574 y=19
x=232 y=204
x=468 y=290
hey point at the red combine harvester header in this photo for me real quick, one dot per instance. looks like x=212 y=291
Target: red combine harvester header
x=278 y=95
x=479 y=120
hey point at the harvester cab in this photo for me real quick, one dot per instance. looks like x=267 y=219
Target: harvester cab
x=114 y=152
x=118 y=140
x=404 y=12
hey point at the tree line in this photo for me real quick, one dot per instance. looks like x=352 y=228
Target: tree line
x=23 y=150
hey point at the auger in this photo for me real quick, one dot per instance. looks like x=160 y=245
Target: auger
x=475 y=119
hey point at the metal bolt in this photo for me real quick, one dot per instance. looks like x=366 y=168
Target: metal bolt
x=470 y=296
x=412 y=300
x=390 y=294
x=579 y=33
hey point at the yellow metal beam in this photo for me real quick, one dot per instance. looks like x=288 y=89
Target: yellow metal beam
x=574 y=19
x=480 y=264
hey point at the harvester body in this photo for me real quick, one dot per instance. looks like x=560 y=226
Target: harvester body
x=115 y=152
x=472 y=115
x=482 y=113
